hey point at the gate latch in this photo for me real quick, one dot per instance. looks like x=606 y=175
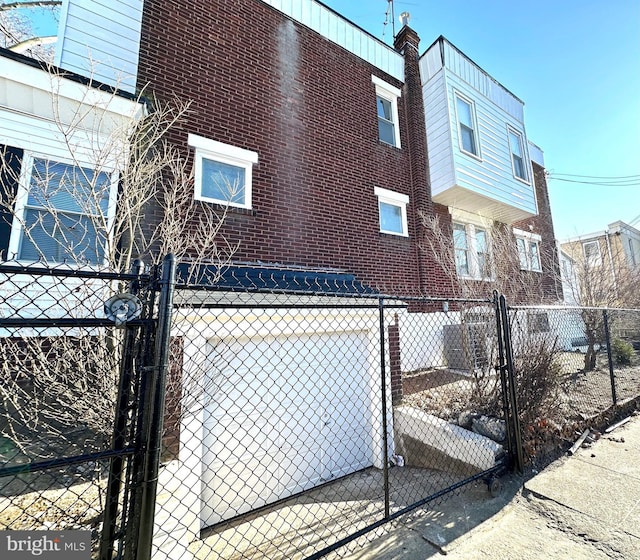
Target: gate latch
x=122 y=308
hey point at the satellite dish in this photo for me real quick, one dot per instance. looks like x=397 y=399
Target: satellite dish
x=122 y=308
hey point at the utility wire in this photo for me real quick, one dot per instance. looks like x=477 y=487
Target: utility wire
x=595 y=176
x=629 y=183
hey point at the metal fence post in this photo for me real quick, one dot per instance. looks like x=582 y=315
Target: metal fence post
x=157 y=395
x=607 y=335
x=501 y=368
x=385 y=442
x=116 y=465
x=513 y=393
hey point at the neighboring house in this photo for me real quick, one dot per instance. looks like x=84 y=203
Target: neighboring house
x=62 y=125
x=606 y=265
x=60 y=150
x=485 y=171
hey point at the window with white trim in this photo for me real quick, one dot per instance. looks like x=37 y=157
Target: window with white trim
x=516 y=147
x=528 y=245
x=632 y=253
x=592 y=254
x=63 y=212
x=538 y=322
x=223 y=173
x=471 y=251
x=387 y=108
x=467 y=127
x=392 y=208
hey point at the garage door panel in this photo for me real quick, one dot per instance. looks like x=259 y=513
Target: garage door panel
x=301 y=471
x=278 y=427
x=239 y=488
x=299 y=387
x=242 y=437
x=236 y=391
x=300 y=428
x=244 y=354
x=348 y=456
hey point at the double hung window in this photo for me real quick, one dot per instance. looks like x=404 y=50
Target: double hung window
x=471 y=251
x=517 y=155
x=528 y=245
x=63 y=213
x=387 y=108
x=467 y=129
x=592 y=253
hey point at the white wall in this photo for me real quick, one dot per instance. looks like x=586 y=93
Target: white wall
x=484 y=185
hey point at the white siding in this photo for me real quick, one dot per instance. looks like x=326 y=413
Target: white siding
x=101 y=39
x=340 y=31
x=485 y=185
x=536 y=154
x=430 y=62
x=438 y=134
x=492 y=175
x=478 y=79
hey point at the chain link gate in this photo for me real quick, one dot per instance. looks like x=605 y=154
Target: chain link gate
x=82 y=401
x=505 y=366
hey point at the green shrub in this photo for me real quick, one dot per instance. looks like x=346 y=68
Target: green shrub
x=622 y=352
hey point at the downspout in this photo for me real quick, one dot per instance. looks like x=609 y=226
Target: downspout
x=613 y=269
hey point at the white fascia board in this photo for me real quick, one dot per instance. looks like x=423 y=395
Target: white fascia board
x=40 y=79
x=527 y=234
x=218 y=148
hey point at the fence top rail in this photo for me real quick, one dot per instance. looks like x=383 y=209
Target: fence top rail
x=323 y=293
x=571 y=308
x=66 y=271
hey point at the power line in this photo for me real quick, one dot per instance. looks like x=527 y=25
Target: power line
x=628 y=183
x=595 y=176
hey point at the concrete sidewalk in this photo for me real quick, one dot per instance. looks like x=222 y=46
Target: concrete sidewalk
x=586 y=506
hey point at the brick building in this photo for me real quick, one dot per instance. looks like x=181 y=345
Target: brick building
x=321 y=129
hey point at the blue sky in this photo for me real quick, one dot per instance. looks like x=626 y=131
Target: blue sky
x=576 y=66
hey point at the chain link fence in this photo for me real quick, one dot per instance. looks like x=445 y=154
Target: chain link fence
x=306 y=413
x=61 y=363
x=302 y=412
x=576 y=368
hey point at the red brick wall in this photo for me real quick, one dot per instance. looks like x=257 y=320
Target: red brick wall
x=259 y=81
x=542 y=224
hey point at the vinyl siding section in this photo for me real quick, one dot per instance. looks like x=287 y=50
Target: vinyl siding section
x=536 y=154
x=439 y=139
x=101 y=39
x=342 y=32
x=485 y=185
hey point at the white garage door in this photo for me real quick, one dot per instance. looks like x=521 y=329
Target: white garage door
x=285 y=415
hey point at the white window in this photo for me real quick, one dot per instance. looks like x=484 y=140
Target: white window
x=471 y=251
x=467 y=128
x=392 y=207
x=528 y=250
x=222 y=172
x=387 y=107
x=518 y=162
x=632 y=253
x=538 y=322
x=592 y=253
x=63 y=212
